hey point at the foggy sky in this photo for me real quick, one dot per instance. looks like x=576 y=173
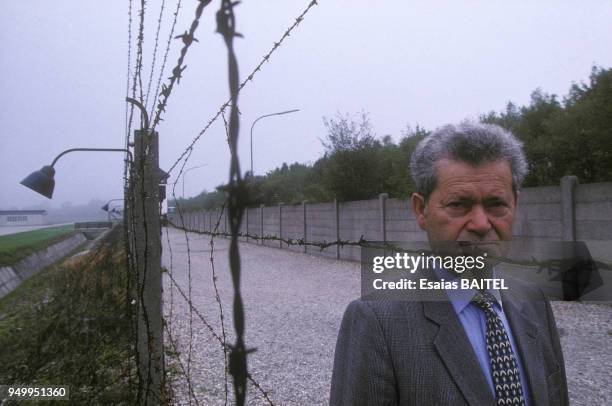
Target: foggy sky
x=63 y=70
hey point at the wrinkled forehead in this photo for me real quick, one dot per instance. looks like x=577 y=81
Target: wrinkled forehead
x=490 y=175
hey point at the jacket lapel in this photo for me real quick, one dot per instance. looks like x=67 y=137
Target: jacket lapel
x=526 y=337
x=456 y=352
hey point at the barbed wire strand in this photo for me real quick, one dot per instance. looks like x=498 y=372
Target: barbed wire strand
x=549 y=264
x=154 y=59
x=238 y=367
x=182 y=366
x=144 y=383
x=248 y=79
x=179 y=210
x=170 y=320
x=126 y=169
x=139 y=53
x=128 y=106
x=218 y=299
x=163 y=66
x=188 y=38
x=217 y=337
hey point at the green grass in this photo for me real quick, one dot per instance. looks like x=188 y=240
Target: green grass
x=71 y=325
x=15 y=247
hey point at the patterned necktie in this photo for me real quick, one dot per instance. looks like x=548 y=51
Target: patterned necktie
x=506 y=378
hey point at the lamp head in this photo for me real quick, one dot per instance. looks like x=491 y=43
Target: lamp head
x=105 y=207
x=41 y=181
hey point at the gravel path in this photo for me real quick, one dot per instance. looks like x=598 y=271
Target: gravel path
x=294 y=304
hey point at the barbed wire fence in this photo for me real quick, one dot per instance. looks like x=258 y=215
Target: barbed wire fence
x=144 y=190
x=152 y=318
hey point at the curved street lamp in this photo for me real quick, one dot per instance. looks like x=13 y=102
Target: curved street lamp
x=259 y=118
x=185 y=173
x=43 y=181
x=107 y=208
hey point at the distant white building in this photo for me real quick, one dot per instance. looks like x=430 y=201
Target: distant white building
x=23 y=217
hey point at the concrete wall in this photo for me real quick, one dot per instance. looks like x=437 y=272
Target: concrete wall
x=568 y=212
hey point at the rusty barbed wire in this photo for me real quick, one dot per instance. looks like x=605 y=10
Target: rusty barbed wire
x=216 y=336
x=248 y=79
x=171 y=270
x=543 y=265
x=218 y=299
x=238 y=368
x=178 y=359
x=154 y=60
x=139 y=53
x=362 y=242
x=188 y=38
x=163 y=66
x=128 y=106
x=179 y=210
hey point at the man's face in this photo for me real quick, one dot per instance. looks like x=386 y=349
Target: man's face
x=469 y=203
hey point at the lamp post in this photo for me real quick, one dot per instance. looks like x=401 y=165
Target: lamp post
x=107 y=209
x=143 y=247
x=185 y=173
x=43 y=180
x=259 y=118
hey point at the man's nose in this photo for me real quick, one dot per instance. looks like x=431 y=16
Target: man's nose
x=479 y=221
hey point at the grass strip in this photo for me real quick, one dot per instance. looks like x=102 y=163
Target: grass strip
x=71 y=325
x=15 y=247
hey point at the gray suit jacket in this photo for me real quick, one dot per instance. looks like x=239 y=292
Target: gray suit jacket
x=417 y=353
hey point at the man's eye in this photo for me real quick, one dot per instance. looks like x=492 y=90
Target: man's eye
x=498 y=203
x=455 y=205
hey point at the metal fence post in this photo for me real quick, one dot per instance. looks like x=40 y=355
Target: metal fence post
x=568 y=223
x=382 y=209
x=261 y=223
x=337 y=226
x=246 y=212
x=148 y=267
x=304 y=204
x=280 y=224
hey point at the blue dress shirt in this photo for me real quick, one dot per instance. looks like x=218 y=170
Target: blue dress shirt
x=474 y=323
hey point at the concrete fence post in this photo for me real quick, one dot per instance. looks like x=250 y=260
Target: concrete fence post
x=568 y=223
x=147 y=244
x=304 y=204
x=382 y=210
x=337 y=226
x=246 y=212
x=261 y=222
x=280 y=224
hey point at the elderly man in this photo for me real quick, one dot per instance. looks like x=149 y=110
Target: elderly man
x=477 y=347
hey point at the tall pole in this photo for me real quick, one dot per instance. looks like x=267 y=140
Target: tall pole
x=147 y=244
x=259 y=118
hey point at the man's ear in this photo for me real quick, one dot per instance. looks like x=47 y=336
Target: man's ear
x=418 y=208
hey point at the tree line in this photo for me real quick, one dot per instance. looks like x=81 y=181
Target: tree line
x=567 y=136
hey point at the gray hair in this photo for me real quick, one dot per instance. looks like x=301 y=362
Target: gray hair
x=473 y=143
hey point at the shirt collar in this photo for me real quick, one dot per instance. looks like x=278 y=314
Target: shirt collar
x=460 y=298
